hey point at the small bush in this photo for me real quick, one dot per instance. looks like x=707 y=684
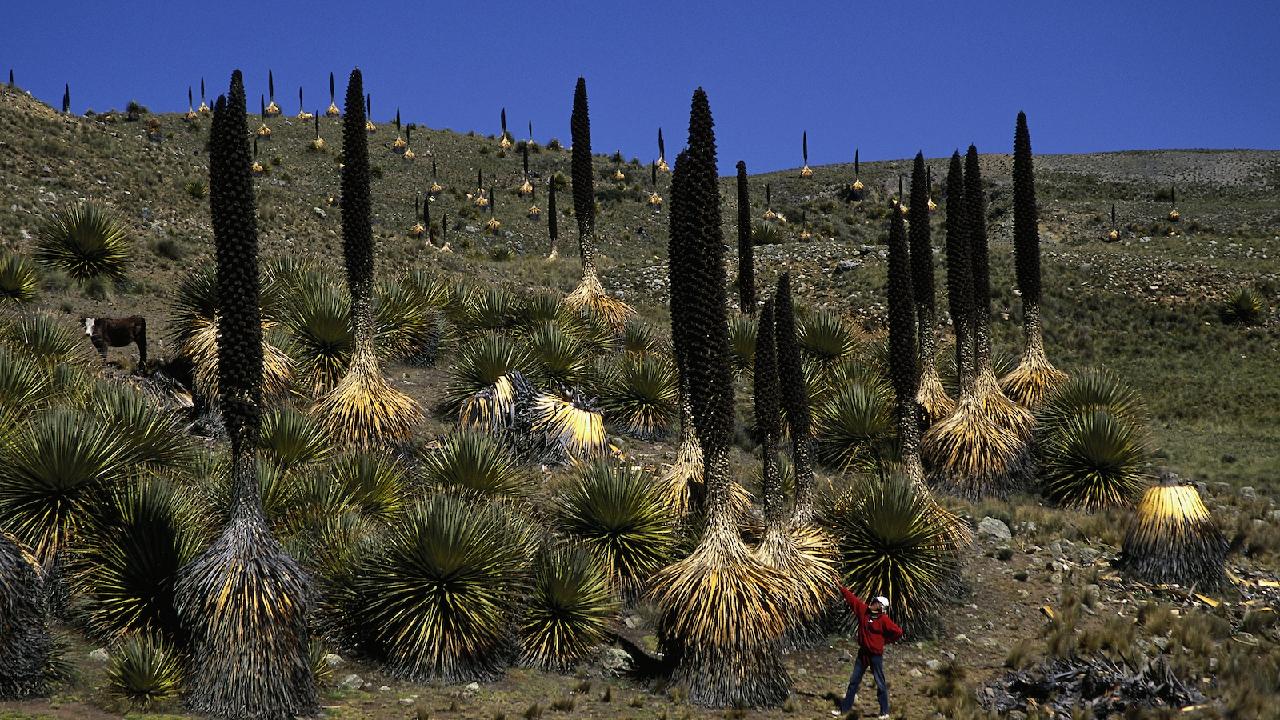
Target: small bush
x=144 y=671
x=168 y=249
x=196 y=189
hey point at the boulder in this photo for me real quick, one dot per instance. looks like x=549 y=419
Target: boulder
x=993 y=528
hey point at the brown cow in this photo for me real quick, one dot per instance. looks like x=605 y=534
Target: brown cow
x=118 y=332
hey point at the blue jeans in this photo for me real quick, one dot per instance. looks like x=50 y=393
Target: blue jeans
x=877 y=672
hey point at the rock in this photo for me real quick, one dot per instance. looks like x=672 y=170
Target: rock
x=333 y=660
x=845 y=266
x=993 y=528
x=615 y=661
x=801 y=672
x=1055 y=549
x=1248 y=492
x=406 y=701
x=962 y=638
x=351 y=682
x=99 y=655
x=632 y=621
x=915 y=673
x=319 y=212
x=384 y=688
x=933 y=665
x=1087 y=555
x=147 y=215
x=471 y=688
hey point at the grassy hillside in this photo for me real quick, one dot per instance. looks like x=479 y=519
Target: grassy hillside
x=1146 y=306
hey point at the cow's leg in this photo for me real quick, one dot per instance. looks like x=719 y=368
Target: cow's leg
x=140 y=337
x=101 y=346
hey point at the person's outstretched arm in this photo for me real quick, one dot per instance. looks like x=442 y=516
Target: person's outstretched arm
x=855 y=602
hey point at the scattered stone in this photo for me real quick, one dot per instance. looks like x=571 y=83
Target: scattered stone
x=384 y=688
x=1248 y=492
x=933 y=665
x=471 y=688
x=333 y=660
x=351 y=682
x=100 y=655
x=993 y=528
x=915 y=673
x=615 y=661
x=406 y=701
x=319 y=212
x=845 y=266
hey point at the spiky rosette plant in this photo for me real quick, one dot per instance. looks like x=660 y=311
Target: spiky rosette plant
x=895 y=541
x=290 y=439
x=930 y=395
x=746 y=258
x=557 y=358
x=194 y=330
x=799 y=552
x=590 y=294
x=317 y=321
x=25 y=643
x=480 y=389
x=904 y=363
x=1093 y=460
x=52 y=472
x=825 y=338
x=742 y=342
x=570 y=426
x=125 y=569
x=1172 y=538
x=617 y=514
x=151 y=437
x=1089 y=390
x=25 y=388
x=973 y=452
x=363 y=409
x=475 y=462
x=642 y=396
x=370 y=485
x=19 y=283
x=721 y=610
x=794 y=391
x=333 y=110
x=243 y=602
x=145 y=670
x=568 y=609
x=85 y=241
x=441 y=593
x=854 y=427
x=1035 y=377
x=49 y=341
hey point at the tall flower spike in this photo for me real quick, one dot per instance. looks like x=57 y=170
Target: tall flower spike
x=1035 y=377
x=746 y=259
x=721 y=610
x=903 y=360
x=363 y=408
x=249 y=658
x=930 y=395
x=589 y=294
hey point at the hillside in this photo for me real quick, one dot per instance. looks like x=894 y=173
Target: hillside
x=1147 y=306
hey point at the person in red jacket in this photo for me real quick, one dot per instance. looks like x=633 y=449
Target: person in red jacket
x=875 y=630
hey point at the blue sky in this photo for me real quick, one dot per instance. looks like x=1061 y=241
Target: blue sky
x=888 y=78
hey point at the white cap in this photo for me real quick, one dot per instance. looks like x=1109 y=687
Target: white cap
x=882 y=600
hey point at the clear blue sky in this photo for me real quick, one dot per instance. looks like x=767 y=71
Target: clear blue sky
x=889 y=77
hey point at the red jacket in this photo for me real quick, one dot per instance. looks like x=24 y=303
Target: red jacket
x=873 y=634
